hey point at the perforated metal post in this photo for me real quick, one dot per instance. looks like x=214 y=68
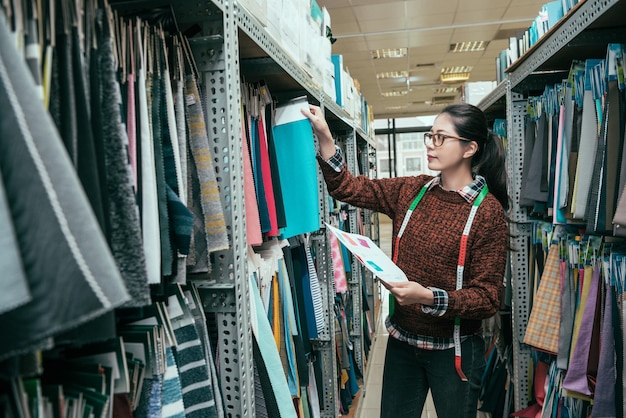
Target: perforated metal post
x=520 y=230
x=217 y=57
x=356 y=333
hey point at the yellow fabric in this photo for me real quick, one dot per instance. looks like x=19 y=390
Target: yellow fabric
x=543 y=325
x=276 y=312
x=578 y=318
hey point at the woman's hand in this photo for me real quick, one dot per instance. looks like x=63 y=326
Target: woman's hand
x=409 y=293
x=321 y=129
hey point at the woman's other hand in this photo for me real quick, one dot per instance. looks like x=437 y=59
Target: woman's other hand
x=409 y=293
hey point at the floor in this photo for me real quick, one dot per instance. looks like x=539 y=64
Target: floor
x=368 y=403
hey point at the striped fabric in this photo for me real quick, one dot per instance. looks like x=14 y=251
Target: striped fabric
x=543 y=325
x=316 y=293
x=173 y=406
x=214 y=222
x=194 y=374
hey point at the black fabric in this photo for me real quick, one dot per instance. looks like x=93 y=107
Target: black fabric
x=278 y=191
x=71 y=274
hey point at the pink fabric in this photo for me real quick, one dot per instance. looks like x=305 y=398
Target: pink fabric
x=131 y=127
x=266 y=174
x=253 y=224
x=341 y=283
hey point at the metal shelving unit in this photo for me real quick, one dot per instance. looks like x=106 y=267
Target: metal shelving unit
x=229 y=31
x=583 y=33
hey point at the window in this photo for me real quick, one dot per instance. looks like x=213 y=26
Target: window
x=413 y=165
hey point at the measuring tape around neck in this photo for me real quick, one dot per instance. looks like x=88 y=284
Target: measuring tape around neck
x=460 y=262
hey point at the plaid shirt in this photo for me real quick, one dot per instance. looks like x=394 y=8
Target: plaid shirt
x=440 y=305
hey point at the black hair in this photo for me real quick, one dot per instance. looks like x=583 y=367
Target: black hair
x=470 y=122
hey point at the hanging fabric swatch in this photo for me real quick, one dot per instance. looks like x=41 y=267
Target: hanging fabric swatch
x=14 y=285
x=259 y=184
x=212 y=214
x=125 y=233
x=268 y=184
x=604 y=398
x=151 y=232
x=262 y=332
x=297 y=167
x=542 y=331
x=52 y=222
x=588 y=146
x=576 y=375
x=278 y=197
x=253 y=223
x=316 y=292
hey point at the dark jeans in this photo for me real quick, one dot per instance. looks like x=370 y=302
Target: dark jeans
x=410 y=372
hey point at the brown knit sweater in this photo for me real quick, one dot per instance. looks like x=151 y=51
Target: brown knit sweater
x=429 y=247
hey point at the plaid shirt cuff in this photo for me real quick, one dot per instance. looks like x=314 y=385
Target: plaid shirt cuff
x=336 y=161
x=440 y=306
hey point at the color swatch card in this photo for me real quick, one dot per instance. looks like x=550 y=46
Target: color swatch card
x=370 y=255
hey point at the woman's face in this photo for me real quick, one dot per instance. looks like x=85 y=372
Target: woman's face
x=453 y=151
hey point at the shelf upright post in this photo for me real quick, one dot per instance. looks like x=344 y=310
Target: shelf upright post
x=520 y=231
x=216 y=54
x=356 y=334
x=325 y=345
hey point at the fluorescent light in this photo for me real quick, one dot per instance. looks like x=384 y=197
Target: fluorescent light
x=395 y=93
x=471 y=46
x=455 y=74
x=446 y=90
x=392 y=74
x=389 y=53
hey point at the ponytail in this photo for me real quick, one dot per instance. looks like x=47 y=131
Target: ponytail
x=489 y=162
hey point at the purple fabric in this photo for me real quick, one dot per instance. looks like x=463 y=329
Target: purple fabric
x=576 y=376
x=604 y=399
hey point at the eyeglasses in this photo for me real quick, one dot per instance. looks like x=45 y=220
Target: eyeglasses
x=438 y=139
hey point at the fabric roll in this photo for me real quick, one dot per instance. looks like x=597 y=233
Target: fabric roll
x=568 y=309
x=566 y=125
x=262 y=333
x=542 y=331
x=587 y=154
x=339 y=274
x=268 y=183
x=257 y=172
x=156 y=109
x=278 y=197
x=213 y=213
x=536 y=184
x=558 y=215
x=151 y=232
x=613 y=152
x=14 y=284
x=125 y=234
x=194 y=374
x=173 y=406
x=131 y=125
x=52 y=219
x=316 y=292
x=33 y=58
x=604 y=397
x=576 y=376
x=67 y=96
x=179 y=112
x=597 y=186
x=253 y=221
x=529 y=143
x=87 y=160
x=297 y=167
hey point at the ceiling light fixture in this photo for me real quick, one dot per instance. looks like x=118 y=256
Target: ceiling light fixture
x=472 y=46
x=457 y=74
x=392 y=74
x=389 y=53
x=446 y=90
x=394 y=93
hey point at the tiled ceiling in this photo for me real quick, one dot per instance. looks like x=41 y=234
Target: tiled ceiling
x=426 y=28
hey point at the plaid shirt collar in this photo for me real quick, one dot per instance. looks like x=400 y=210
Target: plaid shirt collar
x=469 y=192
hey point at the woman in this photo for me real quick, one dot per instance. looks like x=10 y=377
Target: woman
x=435 y=340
